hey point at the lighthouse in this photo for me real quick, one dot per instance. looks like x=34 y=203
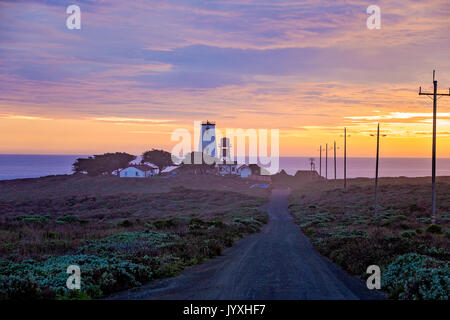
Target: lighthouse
x=225 y=145
x=207 y=143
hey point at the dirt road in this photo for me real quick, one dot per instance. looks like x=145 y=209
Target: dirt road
x=277 y=263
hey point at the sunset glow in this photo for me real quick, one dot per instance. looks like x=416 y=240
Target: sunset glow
x=138 y=70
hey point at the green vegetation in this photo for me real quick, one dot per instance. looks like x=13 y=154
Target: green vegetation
x=414 y=276
x=414 y=255
x=103 y=164
x=434 y=228
x=160 y=158
x=119 y=240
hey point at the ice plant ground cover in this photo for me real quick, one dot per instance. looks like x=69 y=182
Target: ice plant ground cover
x=413 y=255
x=121 y=232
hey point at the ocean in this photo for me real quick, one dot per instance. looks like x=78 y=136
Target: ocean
x=14 y=166
x=34 y=166
x=365 y=167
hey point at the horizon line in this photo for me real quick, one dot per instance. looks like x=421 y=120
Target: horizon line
x=290 y=156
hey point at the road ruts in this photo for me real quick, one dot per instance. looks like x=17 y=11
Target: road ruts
x=277 y=263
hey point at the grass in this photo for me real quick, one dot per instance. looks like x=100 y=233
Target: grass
x=342 y=226
x=65 y=186
x=121 y=232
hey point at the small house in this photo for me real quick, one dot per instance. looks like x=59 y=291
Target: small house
x=138 y=171
x=244 y=171
x=227 y=168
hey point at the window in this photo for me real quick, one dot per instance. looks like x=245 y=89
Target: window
x=137 y=173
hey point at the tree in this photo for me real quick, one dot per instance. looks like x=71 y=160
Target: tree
x=84 y=165
x=111 y=162
x=103 y=164
x=160 y=158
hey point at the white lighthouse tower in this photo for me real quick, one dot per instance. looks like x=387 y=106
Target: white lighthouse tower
x=207 y=143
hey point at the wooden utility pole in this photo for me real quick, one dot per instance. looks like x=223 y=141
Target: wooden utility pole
x=345 y=158
x=326 y=161
x=376 y=169
x=320 y=161
x=335 y=160
x=433 y=163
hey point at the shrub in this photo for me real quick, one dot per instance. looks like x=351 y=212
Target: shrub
x=94 y=291
x=447 y=233
x=196 y=223
x=404 y=226
x=319 y=219
x=171 y=269
x=15 y=287
x=70 y=218
x=415 y=276
x=127 y=243
x=309 y=230
x=218 y=224
x=394 y=219
x=75 y=295
x=164 y=224
x=32 y=219
x=126 y=223
x=434 y=228
x=425 y=220
x=51 y=234
x=408 y=233
x=349 y=234
x=98 y=276
x=112 y=261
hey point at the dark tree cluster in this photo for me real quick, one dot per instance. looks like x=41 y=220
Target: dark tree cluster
x=160 y=158
x=104 y=164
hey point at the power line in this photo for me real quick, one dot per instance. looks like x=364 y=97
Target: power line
x=433 y=166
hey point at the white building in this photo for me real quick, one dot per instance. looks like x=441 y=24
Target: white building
x=207 y=143
x=227 y=168
x=244 y=171
x=138 y=171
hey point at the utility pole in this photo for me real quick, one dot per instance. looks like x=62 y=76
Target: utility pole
x=320 y=161
x=312 y=164
x=433 y=165
x=334 y=160
x=345 y=158
x=326 y=161
x=376 y=169
x=313 y=167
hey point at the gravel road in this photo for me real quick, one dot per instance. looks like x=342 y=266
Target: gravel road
x=277 y=263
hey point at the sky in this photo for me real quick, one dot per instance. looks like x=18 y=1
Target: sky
x=138 y=70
